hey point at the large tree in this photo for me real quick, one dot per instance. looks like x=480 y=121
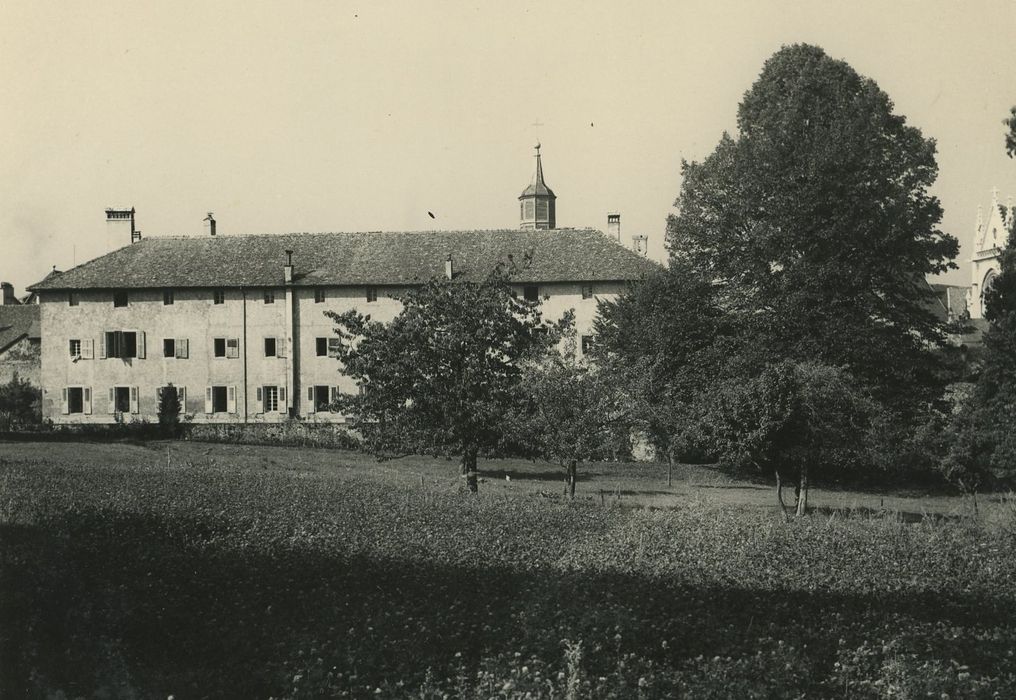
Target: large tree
x=443 y=374
x=1010 y=138
x=817 y=223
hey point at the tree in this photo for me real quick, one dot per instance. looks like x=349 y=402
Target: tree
x=1010 y=138
x=664 y=340
x=790 y=419
x=984 y=428
x=169 y=410
x=816 y=221
x=440 y=377
x=20 y=404
x=572 y=413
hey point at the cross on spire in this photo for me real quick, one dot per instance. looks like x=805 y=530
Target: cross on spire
x=994 y=193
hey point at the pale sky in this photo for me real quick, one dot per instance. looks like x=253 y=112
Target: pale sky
x=336 y=116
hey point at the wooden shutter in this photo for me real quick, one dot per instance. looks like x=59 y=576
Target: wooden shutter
x=232 y=347
x=282 y=398
x=140 y=336
x=334 y=394
x=87 y=349
x=86 y=400
x=280 y=347
x=260 y=395
x=112 y=399
x=231 y=400
x=311 y=403
x=134 y=399
x=102 y=345
x=65 y=405
x=158 y=395
x=182 y=349
x=181 y=391
x=208 y=399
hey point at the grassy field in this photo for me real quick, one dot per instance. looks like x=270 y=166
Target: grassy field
x=200 y=570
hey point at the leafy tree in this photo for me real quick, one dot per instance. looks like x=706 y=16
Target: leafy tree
x=20 y=404
x=169 y=410
x=984 y=429
x=573 y=412
x=788 y=420
x=1010 y=138
x=664 y=340
x=443 y=374
x=817 y=222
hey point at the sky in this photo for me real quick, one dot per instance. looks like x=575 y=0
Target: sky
x=334 y=116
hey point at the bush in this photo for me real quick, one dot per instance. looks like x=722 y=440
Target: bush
x=20 y=405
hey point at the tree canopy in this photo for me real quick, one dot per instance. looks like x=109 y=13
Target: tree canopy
x=817 y=223
x=443 y=374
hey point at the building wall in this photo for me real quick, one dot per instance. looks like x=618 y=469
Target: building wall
x=22 y=359
x=244 y=315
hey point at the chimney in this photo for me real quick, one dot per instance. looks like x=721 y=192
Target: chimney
x=640 y=244
x=449 y=267
x=210 y=224
x=287 y=270
x=9 y=298
x=614 y=225
x=120 y=225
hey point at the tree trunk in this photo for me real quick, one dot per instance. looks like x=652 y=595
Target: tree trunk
x=779 y=496
x=469 y=468
x=670 y=467
x=572 y=476
x=802 y=499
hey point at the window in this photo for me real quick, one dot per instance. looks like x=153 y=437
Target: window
x=588 y=343
x=269 y=296
x=75 y=348
x=270 y=399
x=122 y=344
x=319 y=296
x=531 y=292
x=120 y=399
x=269 y=347
x=226 y=347
x=321 y=346
x=320 y=397
x=219 y=347
x=167 y=297
x=219 y=296
x=587 y=291
x=72 y=298
x=371 y=293
x=77 y=399
x=219 y=399
x=168 y=347
x=120 y=298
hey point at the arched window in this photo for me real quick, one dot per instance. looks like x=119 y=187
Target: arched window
x=989 y=281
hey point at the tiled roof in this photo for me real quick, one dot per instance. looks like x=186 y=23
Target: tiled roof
x=580 y=255
x=16 y=322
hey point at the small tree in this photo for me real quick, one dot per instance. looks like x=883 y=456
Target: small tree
x=791 y=418
x=20 y=404
x=442 y=375
x=169 y=410
x=573 y=413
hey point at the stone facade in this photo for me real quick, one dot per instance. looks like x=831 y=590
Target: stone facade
x=990 y=237
x=23 y=360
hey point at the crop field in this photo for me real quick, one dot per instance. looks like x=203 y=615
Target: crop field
x=207 y=571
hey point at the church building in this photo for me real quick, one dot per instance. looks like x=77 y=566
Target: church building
x=991 y=235
x=236 y=323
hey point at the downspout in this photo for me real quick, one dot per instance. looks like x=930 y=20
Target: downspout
x=243 y=291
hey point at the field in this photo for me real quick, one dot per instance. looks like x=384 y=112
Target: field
x=194 y=570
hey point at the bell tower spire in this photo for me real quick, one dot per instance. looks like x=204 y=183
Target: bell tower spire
x=536 y=203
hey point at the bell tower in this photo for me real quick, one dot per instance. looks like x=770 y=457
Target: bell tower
x=536 y=203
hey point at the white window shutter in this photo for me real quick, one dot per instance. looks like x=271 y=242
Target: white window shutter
x=261 y=395
x=102 y=345
x=86 y=400
x=64 y=406
x=280 y=347
x=182 y=349
x=141 y=344
x=231 y=400
x=158 y=395
x=134 y=399
x=181 y=391
x=208 y=399
x=282 y=398
x=112 y=399
x=87 y=349
x=334 y=394
x=233 y=347
x=311 y=403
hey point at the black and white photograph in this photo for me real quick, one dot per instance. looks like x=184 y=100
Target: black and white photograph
x=508 y=351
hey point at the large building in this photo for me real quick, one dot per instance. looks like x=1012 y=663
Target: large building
x=990 y=237
x=237 y=323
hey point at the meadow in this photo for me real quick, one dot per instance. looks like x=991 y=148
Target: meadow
x=207 y=571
